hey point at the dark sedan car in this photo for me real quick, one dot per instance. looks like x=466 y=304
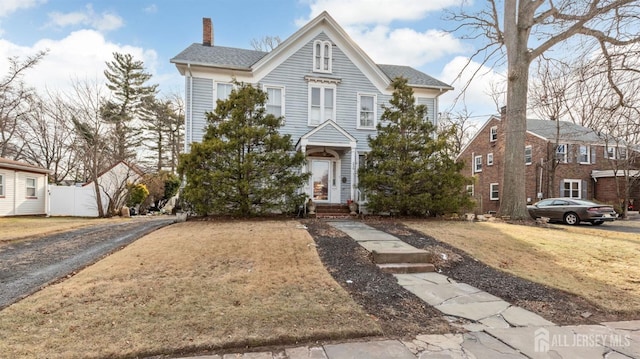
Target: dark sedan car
x=572 y=211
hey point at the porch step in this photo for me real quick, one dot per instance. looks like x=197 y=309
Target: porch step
x=400 y=255
x=404 y=268
x=332 y=208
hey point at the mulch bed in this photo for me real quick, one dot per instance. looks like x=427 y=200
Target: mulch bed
x=402 y=314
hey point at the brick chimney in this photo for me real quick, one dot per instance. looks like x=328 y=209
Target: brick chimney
x=207 y=32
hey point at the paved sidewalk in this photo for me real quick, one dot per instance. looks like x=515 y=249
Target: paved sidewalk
x=496 y=329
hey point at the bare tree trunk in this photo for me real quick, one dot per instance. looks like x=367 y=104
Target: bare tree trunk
x=514 y=198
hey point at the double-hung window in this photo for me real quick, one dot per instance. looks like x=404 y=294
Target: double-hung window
x=366 y=111
x=322 y=99
x=493 y=134
x=223 y=90
x=528 y=155
x=1 y=185
x=470 y=190
x=584 y=154
x=571 y=188
x=490 y=159
x=322 y=56
x=477 y=164
x=31 y=187
x=561 y=153
x=494 y=193
x=275 y=100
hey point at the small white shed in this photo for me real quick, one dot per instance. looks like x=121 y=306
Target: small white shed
x=22 y=188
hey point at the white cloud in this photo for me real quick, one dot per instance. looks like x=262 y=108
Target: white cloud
x=106 y=21
x=477 y=95
x=405 y=46
x=357 y=12
x=9 y=6
x=151 y=9
x=79 y=56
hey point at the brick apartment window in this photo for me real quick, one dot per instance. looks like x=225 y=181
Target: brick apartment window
x=584 y=154
x=470 y=190
x=493 y=192
x=571 y=188
x=489 y=159
x=477 y=164
x=528 y=155
x=493 y=135
x=561 y=153
x=31 y=187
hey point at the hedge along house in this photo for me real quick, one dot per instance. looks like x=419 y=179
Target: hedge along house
x=23 y=189
x=326 y=87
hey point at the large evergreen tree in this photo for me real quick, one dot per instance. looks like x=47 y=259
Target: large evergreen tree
x=409 y=170
x=243 y=166
x=127 y=80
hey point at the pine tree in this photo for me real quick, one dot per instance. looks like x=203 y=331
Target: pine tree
x=127 y=80
x=243 y=166
x=408 y=170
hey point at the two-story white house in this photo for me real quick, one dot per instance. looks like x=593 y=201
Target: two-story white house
x=327 y=88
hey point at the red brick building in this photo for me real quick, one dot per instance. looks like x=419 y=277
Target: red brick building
x=562 y=160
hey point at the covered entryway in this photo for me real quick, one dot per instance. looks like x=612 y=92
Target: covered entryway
x=331 y=158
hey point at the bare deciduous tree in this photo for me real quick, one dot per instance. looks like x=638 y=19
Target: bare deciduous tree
x=524 y=32
x=16 y=99
x=266 y=43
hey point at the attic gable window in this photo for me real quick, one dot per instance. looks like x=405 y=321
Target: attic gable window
x=493 y=135
x=322 y=56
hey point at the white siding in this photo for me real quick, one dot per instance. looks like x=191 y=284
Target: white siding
x=15 y=201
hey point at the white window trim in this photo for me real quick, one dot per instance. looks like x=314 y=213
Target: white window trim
x=588 y=161
x=322 y=118
x=490 y=159
x=1 y=185
x=282 y=96
x=493 y=134
x=319 y=67
x=491 y=197
x=573 y=181
x=530 y=148
x=475 y=164
x=375 y=111
x=215 y=89
x=471 y=190
x=615 y=153
x=566 y=155
x=27 y=187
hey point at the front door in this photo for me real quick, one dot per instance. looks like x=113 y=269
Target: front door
x=320 y=180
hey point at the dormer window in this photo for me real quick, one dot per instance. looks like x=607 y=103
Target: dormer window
x=322 y=56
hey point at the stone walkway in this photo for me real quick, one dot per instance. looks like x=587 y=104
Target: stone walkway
x=496 y=329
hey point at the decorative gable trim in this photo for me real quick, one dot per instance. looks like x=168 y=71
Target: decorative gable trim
x=323 y=79
x=322 y=23
x=345 y=141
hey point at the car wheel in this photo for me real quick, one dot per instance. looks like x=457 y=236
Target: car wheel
x=597 y=223
x=571 y=218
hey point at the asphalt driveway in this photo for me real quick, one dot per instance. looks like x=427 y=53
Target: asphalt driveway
x=27 y=266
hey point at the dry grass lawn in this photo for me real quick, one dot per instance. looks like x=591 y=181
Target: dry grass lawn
x=188 y=287
x=601 y=266
x=14 y=228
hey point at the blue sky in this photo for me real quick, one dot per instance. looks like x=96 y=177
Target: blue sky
x=82 y=35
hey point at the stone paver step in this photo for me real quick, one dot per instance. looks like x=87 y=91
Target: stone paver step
x=400 y=255
x=403 y=268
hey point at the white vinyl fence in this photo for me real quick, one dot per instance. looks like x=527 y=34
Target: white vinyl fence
x=74 y=201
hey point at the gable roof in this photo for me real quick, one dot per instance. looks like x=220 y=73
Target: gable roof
x=340 y=137
x=135 y=169
x=255 y=61
x=21 y=166
x=569 y=131
x=218 y=56
x=416 y=78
